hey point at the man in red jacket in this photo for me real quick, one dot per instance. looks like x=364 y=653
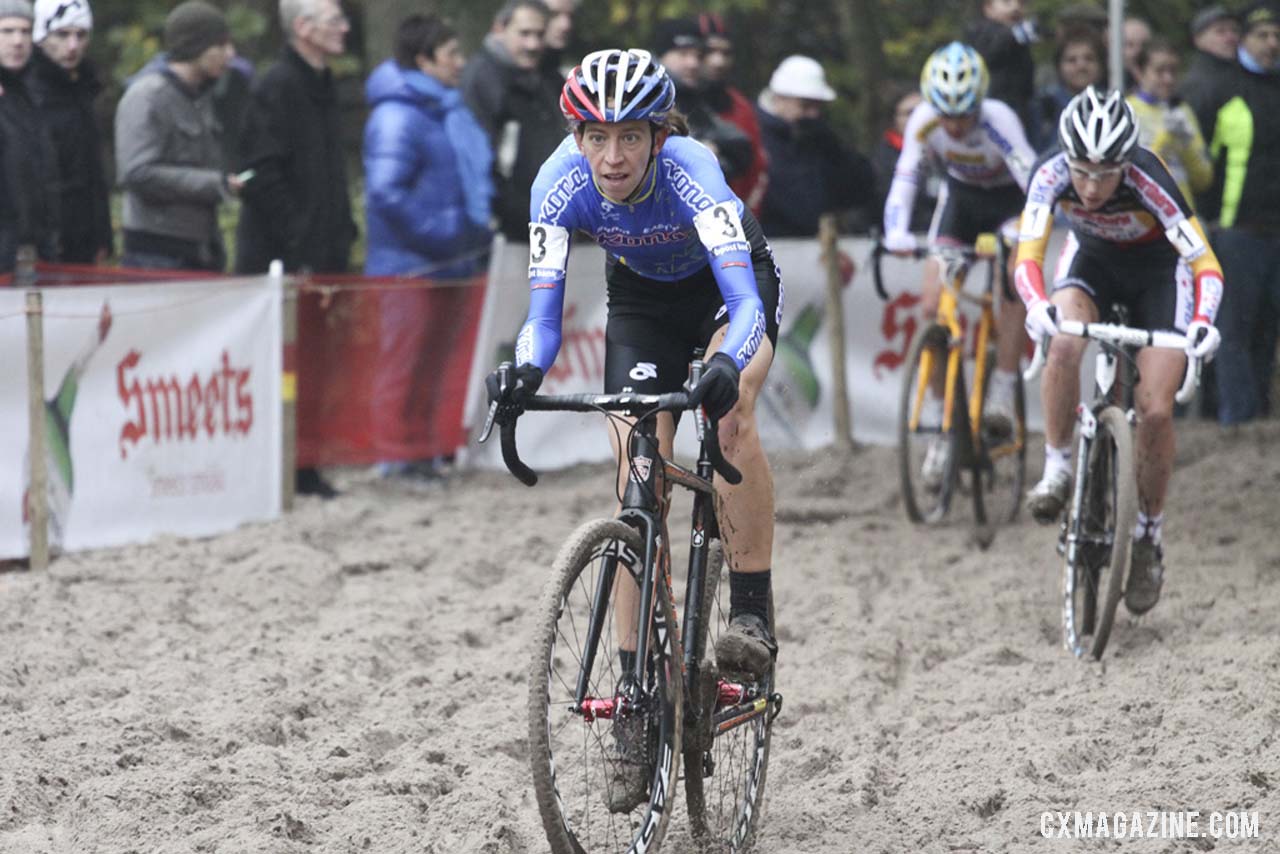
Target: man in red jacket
x=732 y=106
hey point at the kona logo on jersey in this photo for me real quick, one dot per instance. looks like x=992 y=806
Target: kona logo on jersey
x=557 y=199
x=747 y=350
x=614 y=237
x=686 y=189
x=643 y=371
x=1154 y=194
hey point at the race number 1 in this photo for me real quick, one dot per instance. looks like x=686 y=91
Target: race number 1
x=1035 y=222
x=548 y=247
x=719 y=226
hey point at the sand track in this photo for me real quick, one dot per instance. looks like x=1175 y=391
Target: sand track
x=351 y=678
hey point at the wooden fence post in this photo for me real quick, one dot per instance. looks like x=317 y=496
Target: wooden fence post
x=38 y=490
x=829 y=239
x=288 y=388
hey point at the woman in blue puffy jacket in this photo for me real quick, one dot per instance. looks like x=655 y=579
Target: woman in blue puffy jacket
x=426 y=161
x=427 y=190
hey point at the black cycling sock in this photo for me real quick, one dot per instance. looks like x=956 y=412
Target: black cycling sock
x=627 y=661
x=749 y=593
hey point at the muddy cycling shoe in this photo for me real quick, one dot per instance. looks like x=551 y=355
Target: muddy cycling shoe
x=998 y=413
x=1146 y=576
x=934 y=469
x=747 y=647
x=1047 y=498
x=627 y=779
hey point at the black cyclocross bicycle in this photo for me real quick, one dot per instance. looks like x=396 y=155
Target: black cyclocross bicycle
x=618 y=695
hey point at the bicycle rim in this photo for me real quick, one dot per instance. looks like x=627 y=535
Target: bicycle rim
x=1003 y=463
x=574 y=759
x=1093 y=578
x=725 y=805
x=925 y=503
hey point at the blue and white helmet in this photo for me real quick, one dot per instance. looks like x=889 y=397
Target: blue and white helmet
x=954 y=80
x=618 y=86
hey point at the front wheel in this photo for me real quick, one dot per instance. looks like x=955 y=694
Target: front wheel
x=1098 y=530
x=582 y=756
x=927 y=454
x=1002 y=464
x=725 y=771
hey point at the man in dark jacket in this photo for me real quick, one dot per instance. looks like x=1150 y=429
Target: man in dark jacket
x=1215 y=32
x=1004 y=35
x=516 y=100
x=811 y=172
x=65 y=84
x=297 y=206
x=1245 y=145
x=28 y=173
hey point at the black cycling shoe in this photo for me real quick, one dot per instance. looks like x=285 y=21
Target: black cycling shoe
x=747 y=647
x=627 y=780
x=1146 y=576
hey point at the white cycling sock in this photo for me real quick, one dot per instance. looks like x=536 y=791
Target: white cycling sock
x=1149 y=526
x=1004 y=381
x=1056 y=459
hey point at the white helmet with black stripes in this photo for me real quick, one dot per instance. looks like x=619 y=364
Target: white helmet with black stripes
x=1098 y=128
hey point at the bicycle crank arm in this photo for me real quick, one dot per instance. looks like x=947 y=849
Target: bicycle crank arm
x=735 y=716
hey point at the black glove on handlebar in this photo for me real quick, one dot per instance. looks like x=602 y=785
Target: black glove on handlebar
x=513 y=385
x=717 y=390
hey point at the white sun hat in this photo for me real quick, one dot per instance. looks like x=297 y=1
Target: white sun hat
x=801 y=77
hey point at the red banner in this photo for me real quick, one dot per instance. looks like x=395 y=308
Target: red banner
x=382 y=368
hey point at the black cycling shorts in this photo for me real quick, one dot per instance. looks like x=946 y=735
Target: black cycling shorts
x=965 y=211
x=1152 y=282
x=654 y=327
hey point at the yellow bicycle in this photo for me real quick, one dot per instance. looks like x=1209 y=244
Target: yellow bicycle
x=937 y=442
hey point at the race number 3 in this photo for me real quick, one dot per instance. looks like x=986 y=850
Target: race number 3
x=719 y=226
x=548 y=246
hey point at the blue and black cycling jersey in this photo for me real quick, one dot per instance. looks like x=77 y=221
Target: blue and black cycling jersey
x=682 y=219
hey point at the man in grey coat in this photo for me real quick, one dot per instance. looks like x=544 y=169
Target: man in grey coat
x=169 y=159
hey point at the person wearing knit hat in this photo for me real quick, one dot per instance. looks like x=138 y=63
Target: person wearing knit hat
x=28 y=173
x=169 y=153
x=66 y=84
x=192 y=28
x=15 y=34
x=54 y=15
x=1216 y=31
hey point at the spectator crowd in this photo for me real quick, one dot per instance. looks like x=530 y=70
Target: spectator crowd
x=452 y=144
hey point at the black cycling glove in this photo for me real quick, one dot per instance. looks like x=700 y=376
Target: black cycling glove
x=513 y=385
x=717 y=390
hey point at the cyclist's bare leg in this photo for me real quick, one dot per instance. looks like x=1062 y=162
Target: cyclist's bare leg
x=1161 y=374
x=626 y=594
x=1011 y=339
x=745 y=511
x=1060 y=383
x=930 y=293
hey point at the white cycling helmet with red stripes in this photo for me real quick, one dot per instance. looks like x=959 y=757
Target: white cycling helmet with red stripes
x=618 y=86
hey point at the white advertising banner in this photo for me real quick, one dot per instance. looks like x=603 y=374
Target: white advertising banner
x=795 y=410
x=162 y=407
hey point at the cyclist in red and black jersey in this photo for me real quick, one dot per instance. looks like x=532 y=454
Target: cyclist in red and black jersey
x=1134 y=242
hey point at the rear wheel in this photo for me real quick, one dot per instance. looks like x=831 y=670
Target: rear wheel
x=725 y=773
x=575 y=754
x=925 y=495
x=1003 y=462
x=1098 y=536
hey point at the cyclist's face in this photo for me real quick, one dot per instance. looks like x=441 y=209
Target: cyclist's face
x=1095 y=183
x=619 y=154
x=958 y=127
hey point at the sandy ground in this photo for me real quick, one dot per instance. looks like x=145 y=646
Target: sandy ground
x=351 y=678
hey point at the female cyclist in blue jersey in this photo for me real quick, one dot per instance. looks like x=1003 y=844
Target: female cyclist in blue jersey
x=687 y=267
